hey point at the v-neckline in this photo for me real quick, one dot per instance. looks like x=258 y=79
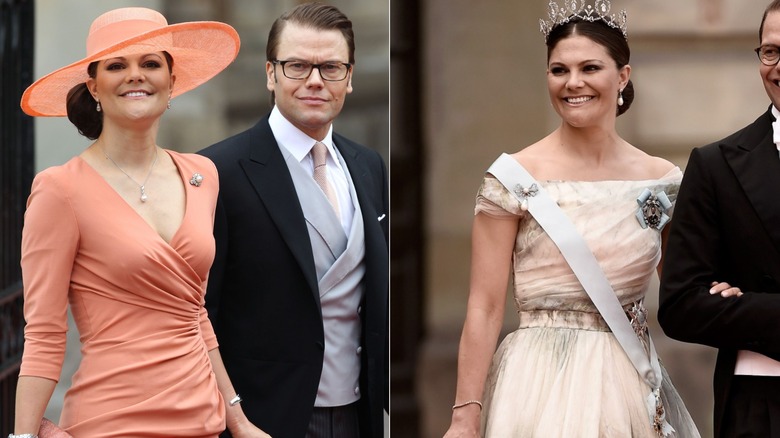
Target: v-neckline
x=135 y=212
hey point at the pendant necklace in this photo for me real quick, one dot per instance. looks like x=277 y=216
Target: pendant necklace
x=140 y=186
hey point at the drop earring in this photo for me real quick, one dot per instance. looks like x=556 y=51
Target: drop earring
x=97 y=107
x=620 y=98
x=169 y=102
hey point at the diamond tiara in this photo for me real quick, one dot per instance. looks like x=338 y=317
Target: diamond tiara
x=574 y=9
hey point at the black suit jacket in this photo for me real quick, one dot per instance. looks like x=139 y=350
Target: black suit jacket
x=726 y=227
x=262 y=295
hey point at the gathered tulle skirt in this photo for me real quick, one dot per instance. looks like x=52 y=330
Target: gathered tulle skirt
x=564 y=374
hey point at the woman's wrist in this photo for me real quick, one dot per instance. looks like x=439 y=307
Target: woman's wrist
x=235 y=400
x=468 y=413
x=467 y=403
x=466 y=420
x=236 y=419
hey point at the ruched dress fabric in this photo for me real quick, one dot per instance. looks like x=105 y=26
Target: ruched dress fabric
x=137 y=301
x=562 y=373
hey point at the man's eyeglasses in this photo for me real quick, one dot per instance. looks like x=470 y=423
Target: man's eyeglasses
x=768 y=54
x=300 y=70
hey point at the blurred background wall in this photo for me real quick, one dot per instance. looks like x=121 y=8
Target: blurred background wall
x=482 y=91
x=229 y=103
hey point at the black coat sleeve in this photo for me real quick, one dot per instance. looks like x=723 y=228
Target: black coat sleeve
x=711 y=239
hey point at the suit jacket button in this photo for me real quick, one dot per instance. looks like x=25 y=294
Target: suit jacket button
x=357 y=391
x=359 y=350
x=320 y=345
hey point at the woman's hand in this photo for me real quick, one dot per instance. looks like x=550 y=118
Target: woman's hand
x=465 y=422
x=245 y=429
x=51 y=430
x=235 y=418
x=724 y=289
x=455 y=431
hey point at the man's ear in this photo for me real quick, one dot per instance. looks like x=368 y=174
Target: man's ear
x=270 y=73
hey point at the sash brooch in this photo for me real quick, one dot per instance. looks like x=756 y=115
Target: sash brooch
x=525 y=193
x=652 y=209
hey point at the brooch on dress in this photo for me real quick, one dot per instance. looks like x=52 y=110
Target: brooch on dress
x=637 y=316
x=652 y=209
x=525 y=193
x=655 y=407
x=196 y=180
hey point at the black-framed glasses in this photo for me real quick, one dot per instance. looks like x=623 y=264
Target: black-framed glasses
x=768 y=54
x=300 y=70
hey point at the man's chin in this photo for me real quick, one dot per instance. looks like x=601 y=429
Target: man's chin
x=314 y=127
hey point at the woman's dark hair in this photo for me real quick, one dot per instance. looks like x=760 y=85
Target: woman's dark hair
x=82 y=107
x=600 y=33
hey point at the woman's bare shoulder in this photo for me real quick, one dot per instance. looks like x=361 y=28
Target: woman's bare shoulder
x=652 y=167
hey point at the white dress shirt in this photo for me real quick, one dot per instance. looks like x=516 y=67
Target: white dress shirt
x=299 y=145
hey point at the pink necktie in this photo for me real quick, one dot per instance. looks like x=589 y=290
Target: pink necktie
x=320 y=153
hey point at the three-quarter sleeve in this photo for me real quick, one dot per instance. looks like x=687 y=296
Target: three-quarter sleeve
x=50 y=240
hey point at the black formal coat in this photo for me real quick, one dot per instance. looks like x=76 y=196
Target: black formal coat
x=726 y=227
x=263 y=298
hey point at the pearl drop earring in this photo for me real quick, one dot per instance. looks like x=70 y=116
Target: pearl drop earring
x=620 y=98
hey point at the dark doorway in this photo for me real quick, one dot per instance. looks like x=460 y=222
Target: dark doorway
x=407 y=247
x=17 y=21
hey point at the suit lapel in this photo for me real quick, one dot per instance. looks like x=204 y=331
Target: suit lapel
x=754 y=159
x=270 y=177
x=369 y=197
x=358 y=170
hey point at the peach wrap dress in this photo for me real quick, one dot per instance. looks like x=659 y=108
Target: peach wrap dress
x=137 y=301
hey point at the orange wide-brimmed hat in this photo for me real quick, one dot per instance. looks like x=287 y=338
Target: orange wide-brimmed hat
x=200 y=50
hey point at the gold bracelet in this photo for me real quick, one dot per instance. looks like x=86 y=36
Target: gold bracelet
x=468 y=402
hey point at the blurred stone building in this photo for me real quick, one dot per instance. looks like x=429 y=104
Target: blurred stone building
x=482 y=91
x=226 y=105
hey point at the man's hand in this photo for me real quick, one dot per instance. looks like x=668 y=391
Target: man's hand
x=725 y=289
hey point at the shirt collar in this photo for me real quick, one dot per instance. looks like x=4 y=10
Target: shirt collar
x=293 y=139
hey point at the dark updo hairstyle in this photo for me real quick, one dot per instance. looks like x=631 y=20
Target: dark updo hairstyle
x=600 y=33
x=82 y=107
